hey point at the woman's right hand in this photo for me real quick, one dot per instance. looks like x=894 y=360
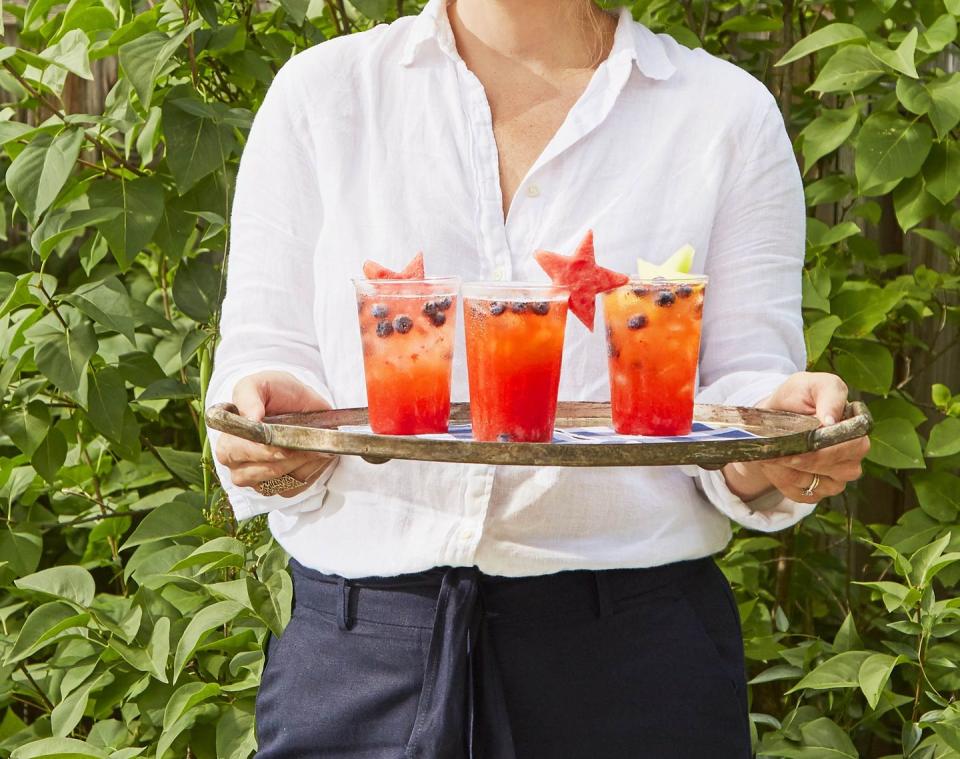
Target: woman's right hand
x=259 y=395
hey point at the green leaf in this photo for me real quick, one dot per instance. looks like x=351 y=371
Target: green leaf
x=913 y=95
x=817 y=336
x=938 y=494
x=42 y=627
x=50 y=455
x=140 y=369
x=903 y=58
x=889 y=148
x=198 y=288
x=912 y=203
x=58 y=748
x=69 y=712
x=924 y=558
x=847 y=638
x=26 y=425
x=828 y=739
x=20 y=549
x=942 y=171
x=200 y=625
x=848 y=70
x=221 y=552
x=158 y=650
x=185 y=464
x=865 y=365
x=185 y=698
x=144 y=58
x=944 y=110
x=167 y=521
x=61 y=224
x=944 y=438
x=750 y=22
x=826 y=133
x=235 y=734
x=196 y=144
x=106 y=402
x=373 y=9
x=830 y=35
x=874 y=674
x=72 y=52
x=70 y=582
x=141 y=205
x=37 y=175
x=939 y=34
x=297 y=10
x=840 y=671
x=863 y=307
x=63 y=357
x=894 y=443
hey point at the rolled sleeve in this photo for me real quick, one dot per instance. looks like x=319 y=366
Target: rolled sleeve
x=752 y=327
x=267 y=318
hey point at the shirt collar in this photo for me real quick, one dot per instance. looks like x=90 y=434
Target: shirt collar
x=631 y=40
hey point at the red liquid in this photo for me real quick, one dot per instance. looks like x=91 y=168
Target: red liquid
x=407 y=373
x=513 y=363
x=653 y=341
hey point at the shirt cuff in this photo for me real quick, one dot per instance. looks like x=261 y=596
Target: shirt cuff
x=768 y=512
x=245 y=501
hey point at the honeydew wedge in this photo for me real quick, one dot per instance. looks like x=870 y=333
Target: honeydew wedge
x=680 y=262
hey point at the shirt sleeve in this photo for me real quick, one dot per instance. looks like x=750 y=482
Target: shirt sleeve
x=752 y=322
x=266 y=320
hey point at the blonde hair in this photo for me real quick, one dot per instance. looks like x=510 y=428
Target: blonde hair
x=588 y=21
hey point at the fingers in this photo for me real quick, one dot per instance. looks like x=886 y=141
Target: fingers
x=248 y=398
x=249 y=475
x=233 y=451
x=835 y=461
x=830 y=396
x=792 y=483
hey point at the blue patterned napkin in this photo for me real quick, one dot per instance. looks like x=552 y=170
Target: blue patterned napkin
x=590 y=435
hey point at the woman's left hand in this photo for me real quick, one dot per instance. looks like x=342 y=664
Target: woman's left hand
x=817 y=393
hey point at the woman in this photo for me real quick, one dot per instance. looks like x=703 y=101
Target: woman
x=445 y=610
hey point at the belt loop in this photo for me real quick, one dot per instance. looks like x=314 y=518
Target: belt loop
x=343 y=607
x=604 y=601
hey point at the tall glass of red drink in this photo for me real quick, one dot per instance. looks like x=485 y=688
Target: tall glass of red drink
x=514 y=350
x=407 y=332
x=653 y=343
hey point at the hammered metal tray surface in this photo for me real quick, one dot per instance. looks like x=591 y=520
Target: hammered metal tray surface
x=779 y=433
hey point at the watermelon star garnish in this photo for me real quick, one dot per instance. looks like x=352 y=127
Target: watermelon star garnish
x=413 y=270
x=581 y=274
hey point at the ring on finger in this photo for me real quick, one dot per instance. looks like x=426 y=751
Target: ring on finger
x=809 y=490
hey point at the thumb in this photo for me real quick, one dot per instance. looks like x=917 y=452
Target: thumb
x=830 y=396
x=247 y=399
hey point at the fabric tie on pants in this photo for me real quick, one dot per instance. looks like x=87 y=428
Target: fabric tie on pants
x=461 y=681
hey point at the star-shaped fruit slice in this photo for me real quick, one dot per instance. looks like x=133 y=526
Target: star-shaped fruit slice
x=413 y=270
x=581 y=274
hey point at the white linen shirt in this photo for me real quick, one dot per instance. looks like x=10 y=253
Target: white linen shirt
x=380 y=144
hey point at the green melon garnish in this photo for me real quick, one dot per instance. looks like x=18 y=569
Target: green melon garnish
x=679 y=263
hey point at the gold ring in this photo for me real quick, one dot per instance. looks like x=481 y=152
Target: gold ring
x=278 y=485
x=812 y=486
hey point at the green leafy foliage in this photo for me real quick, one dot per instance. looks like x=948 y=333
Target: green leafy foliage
x=134 y=610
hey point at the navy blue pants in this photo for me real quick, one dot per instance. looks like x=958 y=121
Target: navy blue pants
x=452 y=663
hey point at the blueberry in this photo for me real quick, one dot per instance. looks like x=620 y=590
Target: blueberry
x=684 y=291
x=639 y=292
x=384 y=329
x=665 y=298
x=541 y=308
x=497 y=308
x=504 y=437
x=438 y=319
x=379 y=311
x=518 y=307
x=403 y=324
x=430 y=307
x=637 y=322
x=612 y=350
x=444 y=303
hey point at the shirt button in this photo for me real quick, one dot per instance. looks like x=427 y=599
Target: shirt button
x=533 y=191
x=498 y=274
x=466 y=535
